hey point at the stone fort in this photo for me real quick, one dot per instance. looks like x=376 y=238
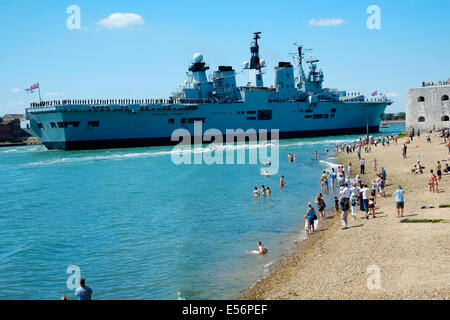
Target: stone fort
x=428 y=107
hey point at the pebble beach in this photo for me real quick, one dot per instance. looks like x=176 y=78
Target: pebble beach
x=412 y=258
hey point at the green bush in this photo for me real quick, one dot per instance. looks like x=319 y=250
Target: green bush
x=421 y=220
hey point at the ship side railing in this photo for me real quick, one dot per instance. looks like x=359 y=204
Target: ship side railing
x=144 y=104
x=367 y=100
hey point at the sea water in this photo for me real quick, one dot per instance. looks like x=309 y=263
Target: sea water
x=138 y=226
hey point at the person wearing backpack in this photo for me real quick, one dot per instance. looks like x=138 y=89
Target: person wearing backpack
x=310 y=216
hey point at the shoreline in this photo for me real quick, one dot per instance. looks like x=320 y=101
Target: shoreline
x=251 y=291
x=275 y=276
x=413 y=258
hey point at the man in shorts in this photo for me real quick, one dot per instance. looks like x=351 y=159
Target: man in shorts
x=400 y=201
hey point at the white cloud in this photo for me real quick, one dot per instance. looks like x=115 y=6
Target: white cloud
x=328 y=22
x=16 y=104
x=15 y=90
x=54 y=94
x=393 y=95
x=121 y=21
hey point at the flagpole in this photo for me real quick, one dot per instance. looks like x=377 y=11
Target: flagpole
x=39 y=90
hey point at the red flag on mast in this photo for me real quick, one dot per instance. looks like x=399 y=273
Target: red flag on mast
x=32 y=87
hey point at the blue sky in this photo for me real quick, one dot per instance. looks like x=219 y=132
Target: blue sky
x=146 y=55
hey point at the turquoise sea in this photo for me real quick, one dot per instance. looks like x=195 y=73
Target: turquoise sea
x=140 y=227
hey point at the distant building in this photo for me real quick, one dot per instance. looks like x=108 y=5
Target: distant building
x=10 y=128
x=428 y=107
x=13 y=116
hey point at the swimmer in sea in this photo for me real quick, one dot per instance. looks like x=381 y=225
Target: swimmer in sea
x=255 y=192
x=268 y=163
x=290 y=158
x=282 y=183
x=268 y=191
x=262 y=249
x=263 y=190
x=315 y=155
x=266 y=173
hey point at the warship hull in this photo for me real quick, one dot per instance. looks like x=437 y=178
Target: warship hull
x=83 y=127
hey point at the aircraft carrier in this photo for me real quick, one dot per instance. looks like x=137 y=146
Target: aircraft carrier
x=296 y=104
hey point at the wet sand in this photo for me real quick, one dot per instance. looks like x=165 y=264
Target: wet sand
x=413 y=258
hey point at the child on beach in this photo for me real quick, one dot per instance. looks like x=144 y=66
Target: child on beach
x=336 y=204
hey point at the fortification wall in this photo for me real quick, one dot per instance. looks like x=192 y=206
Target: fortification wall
x=428 y=108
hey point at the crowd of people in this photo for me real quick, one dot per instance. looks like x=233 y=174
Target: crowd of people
x=356 y=193
x=436 y=84
x=353 y=193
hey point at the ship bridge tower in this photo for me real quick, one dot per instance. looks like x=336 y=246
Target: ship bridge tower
x=314 y=80
x=256 y=64
x=198 y=85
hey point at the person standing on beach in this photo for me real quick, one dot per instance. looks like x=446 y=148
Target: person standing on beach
x=84 y=292
x=372 y=203
x=310 y=216
x=324 y=182
x=400 y=201
x=321 y=206
x=341 y=179
x=433 y=182
x=347 y=194
x=333 y=178
x=404 y=150
x=439 y=170
x=362 y=164
x=354 y=206
x=365 y=198
x=336 y=204
x=374 y=164
x=349 y=167
x=344 y=212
